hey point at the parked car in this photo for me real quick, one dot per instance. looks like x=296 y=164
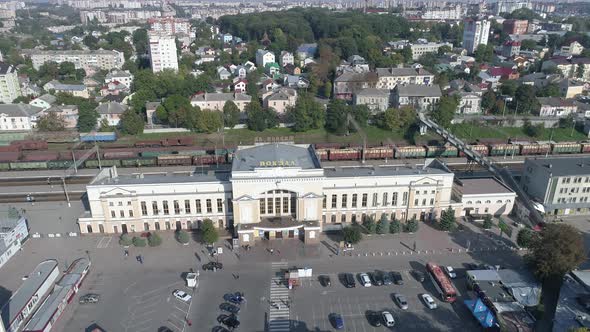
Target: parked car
x=428 y=301
x=451 y=272
x=365 y=280
x=349 y=281
x=235 y=298
x=418 y=275
x=386 y=278
x=402 y=301
x=230 y=321
x=89 y=298
x=212 y=266
x=337 y=321
x=471 y=266
x=397 y=278
x=219 y=329
x=376 y=278
x=584 y=301
x=182 y=295
x=374 y=318
x=325 y=280
x=388 y=319
x=231 y=308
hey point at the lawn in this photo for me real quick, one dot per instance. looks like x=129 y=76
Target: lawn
x=471 y=132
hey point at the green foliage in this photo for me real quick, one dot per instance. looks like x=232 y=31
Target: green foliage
x=533 y=130
x=209 y=232
x=352 y=234
x=342 y=118
x=526 y=100
x=399 y=118
x=51 y=122
x=370 y=225
x=140 y=97
x=406 y=53
x=209 y=121
x=260 y=119
x=139 y=241
x=525 y=237
x=87 y=120
x=444 y=49
x=307 y=114
x=154 y=239
x=509 y=88
x=580 y=70
x=177 y=111
x=550 y=90
x=484 y=53
x=411 y=226
x=383 y=225
x=445 y=111
x=131 y=123
x=487 y=222
x=395 y=226
x=125 y=240
x=523 y=14
x=140 y=41
x=528 y=44
x=231 y=114
x=488 y=101
x=181 y=236
x=447 y=220
x=504 y=227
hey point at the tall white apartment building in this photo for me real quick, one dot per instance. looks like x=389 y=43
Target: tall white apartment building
x=475 y=34
x=87 y=60
x=162 y=52
x=170 y=25
x=9 y=87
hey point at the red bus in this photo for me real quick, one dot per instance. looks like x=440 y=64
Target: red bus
x=442 y=284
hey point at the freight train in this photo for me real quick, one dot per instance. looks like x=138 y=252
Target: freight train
x=27 y=155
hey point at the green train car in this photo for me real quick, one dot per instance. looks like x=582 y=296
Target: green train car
x=153 y=154
x=103 y=163
x=59 y=164
x=4 y=166
x=139 y=162
x=402 y=152
x=23 y=165
x=441 y=151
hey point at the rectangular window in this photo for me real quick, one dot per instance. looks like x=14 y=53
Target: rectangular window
x=293 y=205
x=343 y=218
x=219 y=205
x=187 y=206
x=416 y=202
x=424 y=201
x=131 y=213
x=209 y=207
x=394 y=199
x=165 y=207
x=143 y=209
x=344 y=200
x=198 y=205
x=285 y=204
x=155 y=211
x=364 y=201
x=334 y=198
x=405 y=198
x=263 y=206
x=432 y=201
x=385 y=200
x=354 y=199
x=324 y=202
x=375 y=199
x=122 y=214
x=269 y=206
x=113 y=215
x=277 y=205
x=176 y=207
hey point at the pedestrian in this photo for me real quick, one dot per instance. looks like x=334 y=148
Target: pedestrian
x=237 y=276
x=272 y=251
x=278 y=251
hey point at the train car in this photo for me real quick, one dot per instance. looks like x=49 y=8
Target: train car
x=103 y=163
x=412 y=151
x=10 y=148
x=119 y=155
x=533 y=148
x=330 y=145
x=4 y=166
x=9 y=156
x=322 y=154
x=208 y=159
x=503 y=149
x=170 y=160
x=139 y=162
x=148 y=143
x=385 y=152
x=78 y=154
x=98 y=137
x=59 y=164
x=344 y=154
x=585 y=147
x=23 y=165
x=433 y=151
x=154 y=154
x=566 y=147
x=481 y=148
x=180 y=141
x=40 y=156
x=192 y=152
x=31 y=144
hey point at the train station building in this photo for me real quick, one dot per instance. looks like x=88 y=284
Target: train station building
x=272 y=191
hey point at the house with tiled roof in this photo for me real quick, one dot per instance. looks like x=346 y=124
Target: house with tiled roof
x=216 y=101
x=111 y=112
x=556 y=107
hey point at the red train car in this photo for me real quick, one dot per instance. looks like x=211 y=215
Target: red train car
x=148 y=143
x=119 y=155
x=481 y=148
x=30 y=144
x=344 y=154
x=41 y=156
x=208 y=159
x=322 y=154
x=10 y=148
x=9 y=156
x=379 y=153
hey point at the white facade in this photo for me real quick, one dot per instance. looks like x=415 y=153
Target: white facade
x=286 y=58
x=263 y=57
x=87 y=60
x=475 y=33
x=120 y=76
x=12 y=234
x=389 y=78
x=9 y=86
x=484 y=196
x=420 y=49
x=163 y=53
x=18 y=117
x=170 y=25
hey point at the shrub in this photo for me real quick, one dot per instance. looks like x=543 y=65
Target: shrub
x=411 y=226
x=383 y=225
x=395 y=226
x=447 y=220
x=370 y=225
x=125 y=240
x=210 y=234
x=182 y=236
x=352 y=234
x=487 y=222
x=525 y=237
x=154 y=240
x=139 y=241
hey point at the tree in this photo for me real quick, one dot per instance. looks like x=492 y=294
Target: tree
x=487 y=222
x=550 y=90
x=580 y=70
x=444 y=49
x=260 y=119
x=484 y=53
x=209 y=121
x=139 y=98
x=447 y=220
x=177 y=111
x=154 y=239
x=395 y=226
x=399 y=118
x=557 y=250
x=533 y=130
x=411 y=226
x=87 y=120
x=306 y=114
x=51 y=121
x=445 y=112
x=231 y=114
x=352 y=234
x=181 y=236
x=526 y=100
x=327 y=90
x=125 y=240
x=370 y=225
x=504 y=228
x=488 y=101
x=528 y=44
x=139 y=241
x=509 y=88
x=383 y=225
x=525 y=237
x=131 y=123
x=209 y=232
x=407 y=54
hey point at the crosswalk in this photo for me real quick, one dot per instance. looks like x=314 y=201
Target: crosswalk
x=278 y=318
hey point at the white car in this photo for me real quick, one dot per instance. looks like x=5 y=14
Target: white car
x=388 y=319
x=428 y=301
x=182 y=296
x=365 y=280
x=451 y=272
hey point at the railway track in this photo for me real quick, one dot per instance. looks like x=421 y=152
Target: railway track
x=40 y=197
x=50 y=180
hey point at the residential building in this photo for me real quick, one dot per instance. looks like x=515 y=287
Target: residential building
x=121 y=76
x=114 y=88
x=163 y=53
x=272 y=69
x=571 y=88
x=76 y=90
x=377 y=100
x=215 y=101
x=280 y=100
x=150 y=112
x=223 y=74
x=292 y=70
x=263 y=57
x=556 y=107
x=240 y=86
x=240 y=71
x=9 y=85
x=475 y=33
x=88 y=60
x=170 y=25
x=389 y=78
x=469 y=102
x=273 y=191
x=421 y=97
x=14 y=232
x=18 y=117
x=286 y=58
x=511 y=48
x=573 y=49
x=483 y=196
x=515 y=27
x=347 y=84
x=419 y=49
x=560 y=186
x=69 y=113
x=305 y=51
x=111 y=112
x=569 y=67
x=451 y=13
x=44 y=102
x=293 y=81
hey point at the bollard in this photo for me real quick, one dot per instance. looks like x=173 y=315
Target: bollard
x=373 y=254
x=366 y=254
x=403 y=252
x=381 y=253
x=396 y=253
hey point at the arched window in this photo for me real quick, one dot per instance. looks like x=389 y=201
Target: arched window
x=478 y=202
x=488 y=202
x=499 y=201
x=469 y=202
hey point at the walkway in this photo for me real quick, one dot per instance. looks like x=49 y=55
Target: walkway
x=278 y=317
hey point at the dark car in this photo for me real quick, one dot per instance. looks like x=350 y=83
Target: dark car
x=230 y=321
x=229 y=308
x=376 y=278
x=212 y=266
x=584 y=301
x=418 y=275
x=374 y=318
x=325 y=280
x=471 y=266
x=386 y=278
x=337 y=321
x=397 y=278
x=89 y=298
x=235 y=298
x=349 y=280
x=220 y=329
